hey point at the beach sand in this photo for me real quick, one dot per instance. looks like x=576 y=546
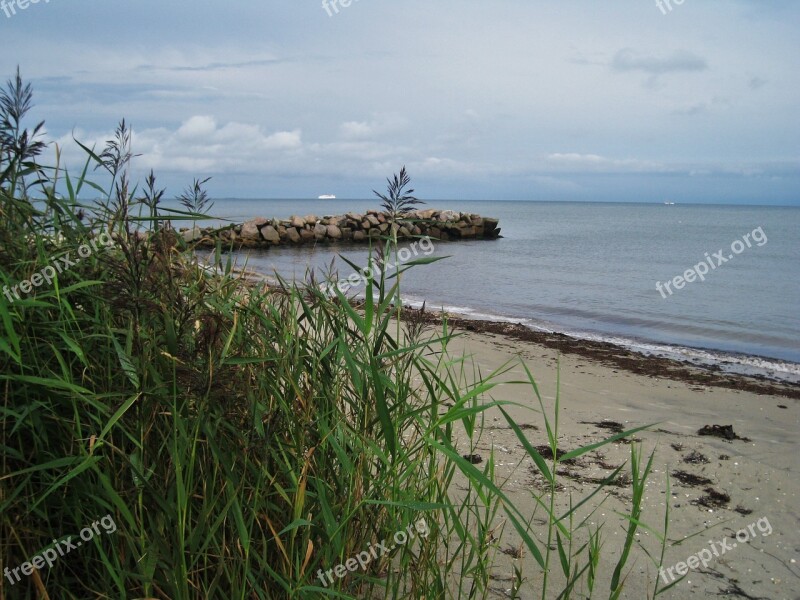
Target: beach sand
x=605 y=387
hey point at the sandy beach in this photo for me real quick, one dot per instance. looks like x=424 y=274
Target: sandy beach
x=719 y=487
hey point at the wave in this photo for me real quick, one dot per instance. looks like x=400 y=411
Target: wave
x=730 y=362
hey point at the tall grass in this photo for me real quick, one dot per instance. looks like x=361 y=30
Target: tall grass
x=245 y=439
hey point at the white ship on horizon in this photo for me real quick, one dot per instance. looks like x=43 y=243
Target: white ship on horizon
x=327 y=197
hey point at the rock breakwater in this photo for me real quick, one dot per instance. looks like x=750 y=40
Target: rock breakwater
x=348 y=228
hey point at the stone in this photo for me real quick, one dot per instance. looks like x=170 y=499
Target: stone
x=334 y=232
x=359 y=236
x=449 y=215
x=271 y=234
x=347 y=233
x=404 y=231
x=298 y=222
x=306 y=235
x=293 y=235
x=250 y=230
x=365 y=224
x=310 y=219
x=373 y=219
x=466 y=232
x=192 y=235
x=490 y=228
x=320 y=231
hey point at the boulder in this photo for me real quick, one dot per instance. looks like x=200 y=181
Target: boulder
x=320 y=231
x=334 y=232
x=466 y=232
x=250 y=230
x=192 y=235
x=359 y=236
x=307 y=235
x=271 y=234
x=293 y=235
x=298 y=222
x=490 y=228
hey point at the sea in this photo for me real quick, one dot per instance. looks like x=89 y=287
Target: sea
x=590 y=270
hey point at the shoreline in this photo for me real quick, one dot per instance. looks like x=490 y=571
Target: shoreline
x=619 y=356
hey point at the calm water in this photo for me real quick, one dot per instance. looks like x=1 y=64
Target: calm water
x=591 y=270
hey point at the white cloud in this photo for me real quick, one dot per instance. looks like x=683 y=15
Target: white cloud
x=628 y=59
x=573 y=161
x=379 y=126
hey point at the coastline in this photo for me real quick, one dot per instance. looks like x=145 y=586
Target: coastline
x=619 y=356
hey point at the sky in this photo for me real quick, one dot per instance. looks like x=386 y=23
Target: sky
x=508 y=100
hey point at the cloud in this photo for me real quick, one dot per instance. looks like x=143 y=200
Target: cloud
x=628 y=59
x=594 y=163
x=380 y=125
x=212 y=66
x=201 y=145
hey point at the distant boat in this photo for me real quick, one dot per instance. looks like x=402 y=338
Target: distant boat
x=669 y=203
x=327 y=197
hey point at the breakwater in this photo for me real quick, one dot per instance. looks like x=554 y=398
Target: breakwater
x=351 y=228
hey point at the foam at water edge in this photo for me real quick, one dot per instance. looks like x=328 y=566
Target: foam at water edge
x=729 y=362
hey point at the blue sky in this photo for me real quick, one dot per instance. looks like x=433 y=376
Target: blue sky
x=520 y=99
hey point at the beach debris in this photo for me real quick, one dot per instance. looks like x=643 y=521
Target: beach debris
x=512 y=551
x=475 y=459
x=678 y=447
x=721 y=431
x=713 y=499
x=611 y=426
x=696 y=458
x=742 y=510
x=547 y=454
x=782 y=406
x=690 y=478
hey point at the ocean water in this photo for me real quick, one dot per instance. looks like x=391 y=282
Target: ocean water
x=590 y=270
